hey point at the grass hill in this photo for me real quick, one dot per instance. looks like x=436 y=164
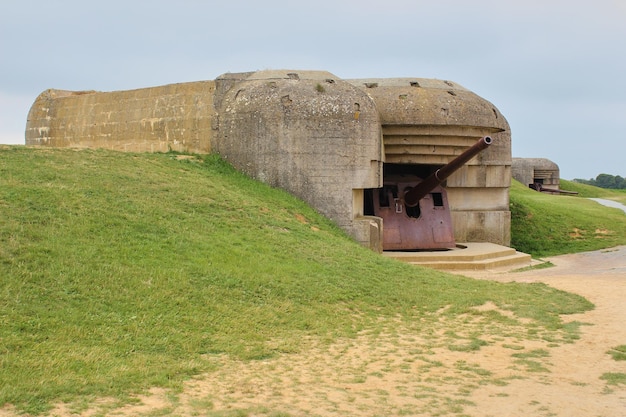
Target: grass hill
x=122 y=272
x=544 y=224
x=589 y=191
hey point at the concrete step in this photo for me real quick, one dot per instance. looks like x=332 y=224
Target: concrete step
x=466 y=256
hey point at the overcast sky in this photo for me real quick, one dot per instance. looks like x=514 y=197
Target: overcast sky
x=556 y=69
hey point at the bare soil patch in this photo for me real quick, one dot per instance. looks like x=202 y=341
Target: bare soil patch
x=419 y=369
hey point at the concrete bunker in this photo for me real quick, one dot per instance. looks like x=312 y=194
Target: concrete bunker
x=340 y=145
x=426 y=124
x=540 y=174
x=536 y=172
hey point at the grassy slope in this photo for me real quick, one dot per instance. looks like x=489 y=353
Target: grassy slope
x=589 y=191
x=544 y=224
x=122 y=271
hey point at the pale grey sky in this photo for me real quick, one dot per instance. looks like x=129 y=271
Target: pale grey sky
x=555 y=68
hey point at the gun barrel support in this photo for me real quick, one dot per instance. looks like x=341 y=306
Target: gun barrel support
x=413 y=196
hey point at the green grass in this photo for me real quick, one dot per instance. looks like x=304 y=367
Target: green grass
x=547 y=225
x=614 y=378
x=122 y=272
x=618 y=353
x=589 y=191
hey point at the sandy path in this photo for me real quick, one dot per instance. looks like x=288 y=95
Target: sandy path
x=574 y=387
x=412 y=372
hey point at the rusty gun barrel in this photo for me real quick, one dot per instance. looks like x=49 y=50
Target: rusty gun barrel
x=413 y=196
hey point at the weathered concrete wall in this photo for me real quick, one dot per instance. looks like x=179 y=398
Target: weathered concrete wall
x=536 y=170
x=307 y=132
x=172 y=117
x=430 y=122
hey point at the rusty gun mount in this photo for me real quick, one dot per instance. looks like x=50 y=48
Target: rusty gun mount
x=414 y=195
x=415 y=212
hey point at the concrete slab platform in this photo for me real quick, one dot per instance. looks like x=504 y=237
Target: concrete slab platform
x=466 y=256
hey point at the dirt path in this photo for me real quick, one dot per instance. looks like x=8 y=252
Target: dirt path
x=413 y=372
x=574 y=387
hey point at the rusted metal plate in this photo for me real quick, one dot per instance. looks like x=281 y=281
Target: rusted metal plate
x=428 y=226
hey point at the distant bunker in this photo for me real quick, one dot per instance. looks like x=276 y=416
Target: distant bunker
x=536 y=173
x=352 y=149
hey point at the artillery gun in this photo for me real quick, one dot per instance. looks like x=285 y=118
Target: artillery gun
x=539 y=187
x=415 y=211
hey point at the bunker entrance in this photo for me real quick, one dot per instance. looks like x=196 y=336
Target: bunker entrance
x=413 y=204
x=390 y=193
